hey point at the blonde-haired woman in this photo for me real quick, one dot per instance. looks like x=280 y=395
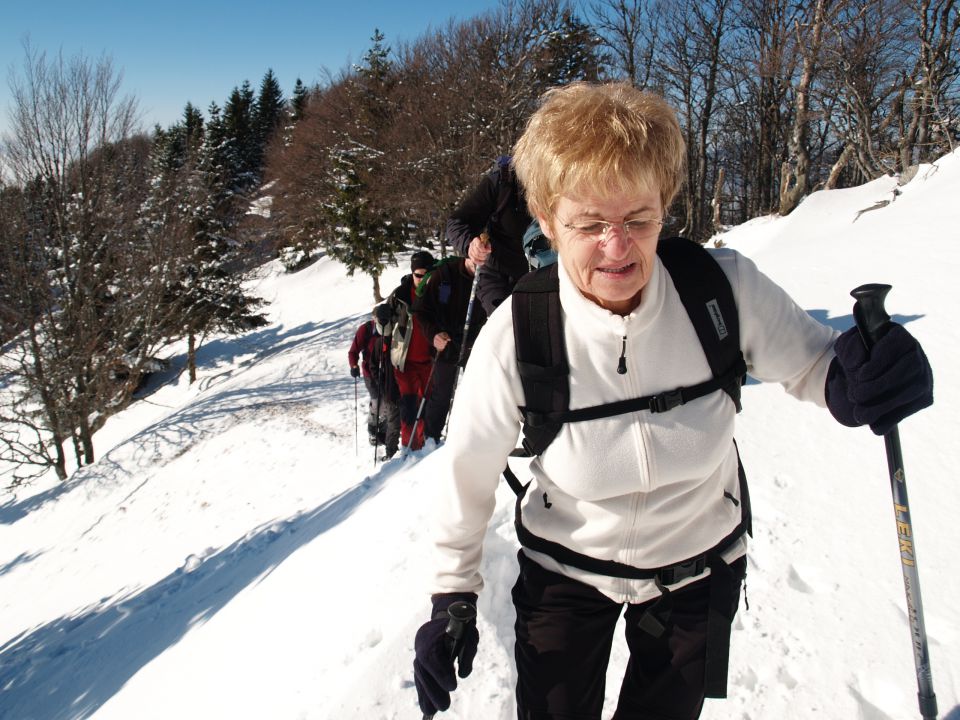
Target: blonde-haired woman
x=641 y=513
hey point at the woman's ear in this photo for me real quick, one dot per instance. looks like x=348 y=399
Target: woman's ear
x=546 y=226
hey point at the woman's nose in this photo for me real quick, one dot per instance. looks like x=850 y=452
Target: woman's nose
x=616 y=242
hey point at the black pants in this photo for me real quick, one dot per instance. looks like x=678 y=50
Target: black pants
x=438 y=398
x=564 y=633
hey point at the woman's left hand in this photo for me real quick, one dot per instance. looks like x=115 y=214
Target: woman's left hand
x=881 y=387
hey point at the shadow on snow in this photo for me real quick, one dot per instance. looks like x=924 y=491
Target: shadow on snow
x=14 y=510
x=70 y=667
x=845 y=322
x=175 y=434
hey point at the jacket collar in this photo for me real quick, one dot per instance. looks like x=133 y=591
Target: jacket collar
x=592 y=320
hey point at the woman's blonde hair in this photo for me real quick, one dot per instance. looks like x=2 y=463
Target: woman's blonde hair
x=601 y=138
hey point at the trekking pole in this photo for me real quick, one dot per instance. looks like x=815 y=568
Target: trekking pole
x=423 y=400
x=461 y=359
x=356 y=419
x=380 y=390
x=461 y=614
x=872 y=321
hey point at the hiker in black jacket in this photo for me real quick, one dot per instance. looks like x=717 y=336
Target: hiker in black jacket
x=441 y=309
x=410 y=351
x=498 y=206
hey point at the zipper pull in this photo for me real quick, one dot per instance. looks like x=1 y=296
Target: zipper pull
x=622 y=365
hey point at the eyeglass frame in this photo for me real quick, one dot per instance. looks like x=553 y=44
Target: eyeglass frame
x=602 y=236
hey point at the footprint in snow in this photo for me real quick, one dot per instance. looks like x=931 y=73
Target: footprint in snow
x=808 y=579
x=874 y=693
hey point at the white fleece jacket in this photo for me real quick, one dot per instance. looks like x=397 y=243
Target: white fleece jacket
x=642 y=489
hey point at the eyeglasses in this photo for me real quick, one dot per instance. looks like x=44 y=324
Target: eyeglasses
x=599 y=230
x=420 y=275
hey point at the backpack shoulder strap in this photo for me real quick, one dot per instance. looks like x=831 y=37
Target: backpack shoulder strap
x=541 y=352
x=706 y=295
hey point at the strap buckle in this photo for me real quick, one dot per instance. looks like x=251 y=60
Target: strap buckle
x=533 y=418
x=666 y=401
x=682 y=571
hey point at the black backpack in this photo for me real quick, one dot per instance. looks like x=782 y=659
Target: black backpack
x=542 y=362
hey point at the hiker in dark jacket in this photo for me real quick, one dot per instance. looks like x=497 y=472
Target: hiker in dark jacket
x=411 y=352
x=635 y=510
x=441 y=310
x=498 y=206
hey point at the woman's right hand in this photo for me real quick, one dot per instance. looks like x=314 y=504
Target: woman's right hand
x=433 y=672
x=479 y=250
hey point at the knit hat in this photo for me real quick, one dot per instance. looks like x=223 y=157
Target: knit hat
x=421 y=260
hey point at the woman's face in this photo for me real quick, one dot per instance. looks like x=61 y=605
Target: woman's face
x=610 y=267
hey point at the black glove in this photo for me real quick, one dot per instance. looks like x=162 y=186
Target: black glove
x=355 y=371
x=433 y=665
x=451 y=353
x=883 y=387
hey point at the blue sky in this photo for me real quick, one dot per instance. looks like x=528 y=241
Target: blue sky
x=178 y=50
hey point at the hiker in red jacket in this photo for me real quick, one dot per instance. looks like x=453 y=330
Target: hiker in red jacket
x=367 y=358
x=359 y=358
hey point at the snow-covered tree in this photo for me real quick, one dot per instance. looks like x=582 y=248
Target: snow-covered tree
x=79 y=167
x=196 y=207
x=358 y=233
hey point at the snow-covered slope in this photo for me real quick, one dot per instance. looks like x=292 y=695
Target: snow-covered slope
x=236 y=554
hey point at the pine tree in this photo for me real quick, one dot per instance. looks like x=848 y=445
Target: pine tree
x=193 y=212
x=299 y=102
x=570 y=53
x=239 y=127
x=359 y=235
x=372 y=88
x=361 y=232
x=269 y=110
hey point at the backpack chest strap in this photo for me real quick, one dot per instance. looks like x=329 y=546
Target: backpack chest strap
x=658 y=403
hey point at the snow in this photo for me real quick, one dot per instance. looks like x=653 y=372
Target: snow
x=236 y=553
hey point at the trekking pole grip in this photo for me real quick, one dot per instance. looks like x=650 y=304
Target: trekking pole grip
x=869 y=313
x=460 y=614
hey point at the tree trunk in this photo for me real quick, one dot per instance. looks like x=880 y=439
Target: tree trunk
x=192 y=357
x=86 y=439
x=60 y=466
x=717 y=203
x=50 y=408
x=794 y=177
x=77 y=451
x=838 y=167
x=377 y=296
x=83 y=425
